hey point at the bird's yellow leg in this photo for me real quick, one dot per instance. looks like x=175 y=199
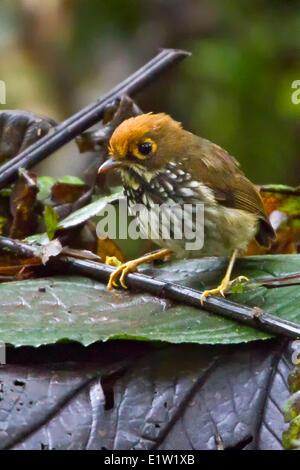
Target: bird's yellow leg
x=226 y=282
x=131 y=266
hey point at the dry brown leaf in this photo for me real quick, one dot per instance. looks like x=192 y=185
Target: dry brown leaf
x=109 y=248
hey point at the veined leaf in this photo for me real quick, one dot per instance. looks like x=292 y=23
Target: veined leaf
x=88 y=211
x=43 y=311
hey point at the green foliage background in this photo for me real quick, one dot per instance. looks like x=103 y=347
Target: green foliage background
x=235 y=90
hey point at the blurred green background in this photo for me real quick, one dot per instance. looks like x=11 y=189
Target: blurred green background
x=59 y=55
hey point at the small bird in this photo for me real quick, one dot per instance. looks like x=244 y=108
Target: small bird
x=160 y=162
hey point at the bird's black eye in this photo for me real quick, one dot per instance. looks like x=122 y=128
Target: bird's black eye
x=145 y=148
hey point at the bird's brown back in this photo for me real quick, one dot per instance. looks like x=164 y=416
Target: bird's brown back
x=218 y=170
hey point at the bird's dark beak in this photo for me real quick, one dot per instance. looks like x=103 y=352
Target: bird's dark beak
x=109 y=165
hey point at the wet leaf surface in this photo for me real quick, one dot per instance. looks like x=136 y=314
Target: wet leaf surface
x=131 y=395
x=43 y=311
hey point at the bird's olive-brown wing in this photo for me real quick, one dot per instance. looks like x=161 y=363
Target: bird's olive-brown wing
x=218 y=170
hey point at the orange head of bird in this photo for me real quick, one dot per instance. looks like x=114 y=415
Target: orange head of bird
x=148 y=141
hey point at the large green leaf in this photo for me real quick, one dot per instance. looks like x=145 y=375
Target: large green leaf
x=130 y=395
x=90 y=210
x=43 y=311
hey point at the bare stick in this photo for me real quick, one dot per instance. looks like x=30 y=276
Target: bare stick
x=87 y=117
x=254 y=317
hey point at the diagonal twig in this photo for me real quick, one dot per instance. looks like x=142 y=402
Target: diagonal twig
x=87 y=117
x=280 y=190
x=292 y=280
x=254 y=317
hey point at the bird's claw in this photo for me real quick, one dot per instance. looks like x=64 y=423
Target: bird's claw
x=131 y=266
x=121 y=272
x=218 y=290
x=237 y=280
x=222 y=288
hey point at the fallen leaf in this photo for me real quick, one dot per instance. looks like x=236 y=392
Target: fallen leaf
x=51 y=218
x=51 y=249
x=24 y=206
x=131 y=396
x=108 y=248
x=20 y=129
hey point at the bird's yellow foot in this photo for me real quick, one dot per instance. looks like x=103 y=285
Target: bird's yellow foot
x=131 y=266
x=223 y=287
x=121 y=272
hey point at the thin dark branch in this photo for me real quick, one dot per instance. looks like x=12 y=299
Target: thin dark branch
x=285 y=191
x=18 y=248
x=254 y=317
x=274 y=283
x=88 y=116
